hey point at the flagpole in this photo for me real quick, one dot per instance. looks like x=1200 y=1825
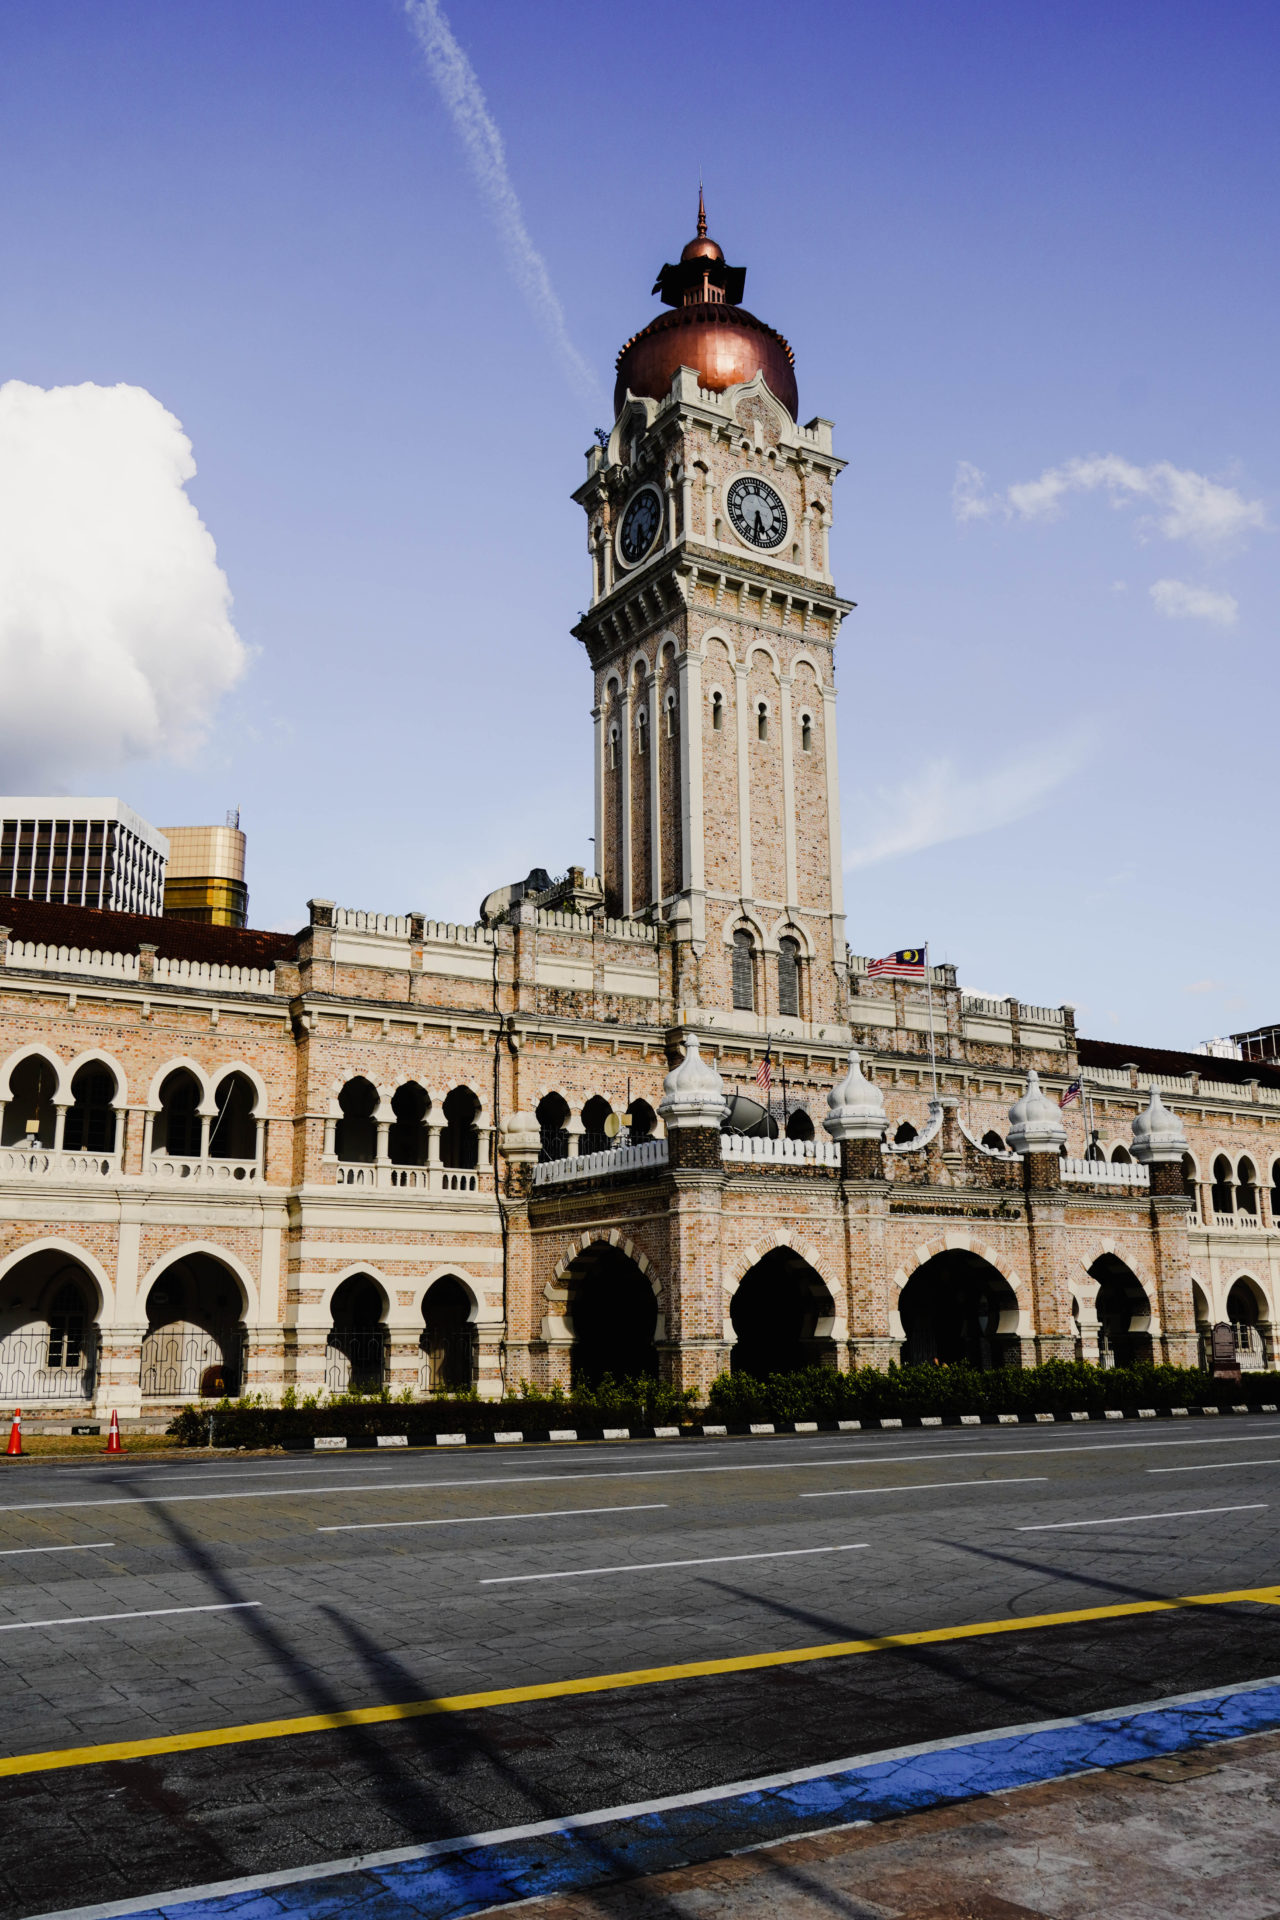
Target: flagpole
x=933 y=1056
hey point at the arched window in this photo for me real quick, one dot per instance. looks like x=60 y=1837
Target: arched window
x=31 y=1117
x=459 y=1143
x=407 y=1139
x=91 y=1118
x=1189 y=1177
x=357 y=1350
x=1121 y=1157
x=1223 y=1186
x=448 y=1338
x=552 y=1112
x=717 y=712
x=1247 y=1187
x=642 y=730
x=356 y=1135
x=993 y=1140
x=177 y=1125
x=806 y=733
x=641 y=1120
x=789 y=978
x=233 y=1131
x=1243 y=1313
x=905 y=1133
x=1275 y=1190
x=613 y=749
x=744 y=996
x=594 y=1138
x=762 y=721
x=799 y=1125
x=671 y=710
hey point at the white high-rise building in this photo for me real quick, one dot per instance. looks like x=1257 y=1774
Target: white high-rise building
x=88 y=853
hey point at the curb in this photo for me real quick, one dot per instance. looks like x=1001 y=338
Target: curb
x=568 y=1436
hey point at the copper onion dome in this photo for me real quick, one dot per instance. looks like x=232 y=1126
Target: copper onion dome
x=707 y=331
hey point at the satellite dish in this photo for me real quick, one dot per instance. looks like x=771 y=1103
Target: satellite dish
x=743 y=1114
x=613 y=1126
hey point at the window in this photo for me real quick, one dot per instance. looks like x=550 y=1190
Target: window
x=789 y=978
x=91 y=1119
x=1223 y=1186
x=66 y=1328
x=356 y=1134
x=744 y=996
x=799 y=1125
x=762 y=722
x=594 y=1138
x=642 y=730
x=233 y=1131
x=177 y=1125
x=671 y=716
x=717 y=712
x=1247 y=1187
x=460 y=1143
x=905 y=1133
x=613 y=748
x=806 y=733
x=552 y=1111
x=993 y=1140
x=1120 y=1157
x=407 y=1139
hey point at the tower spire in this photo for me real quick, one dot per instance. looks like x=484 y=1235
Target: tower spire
x=702 y=212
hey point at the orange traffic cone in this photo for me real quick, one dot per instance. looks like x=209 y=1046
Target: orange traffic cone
x=15 y=1434
x=113 y=1437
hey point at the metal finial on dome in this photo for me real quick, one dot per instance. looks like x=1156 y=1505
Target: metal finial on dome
x=702 y=212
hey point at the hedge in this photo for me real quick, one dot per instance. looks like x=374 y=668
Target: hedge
x=815 y=1393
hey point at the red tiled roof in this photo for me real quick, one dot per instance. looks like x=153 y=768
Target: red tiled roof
x=53 y=925
x=1114 y=1053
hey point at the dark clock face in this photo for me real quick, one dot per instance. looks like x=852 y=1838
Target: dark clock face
x=757 y=512
x=640 y=524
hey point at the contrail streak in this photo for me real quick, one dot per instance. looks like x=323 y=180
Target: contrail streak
x=461 y=92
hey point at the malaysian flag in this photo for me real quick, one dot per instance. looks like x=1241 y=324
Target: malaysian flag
x=1072 y=1093
x=764 y=1073
x=909 y=964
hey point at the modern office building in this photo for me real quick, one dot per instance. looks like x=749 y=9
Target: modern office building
x=84 y=853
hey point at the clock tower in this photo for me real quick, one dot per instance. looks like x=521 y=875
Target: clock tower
x=711 y=635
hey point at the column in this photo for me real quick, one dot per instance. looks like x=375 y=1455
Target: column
x=788 y=791
x=693 y=866
x=741 y=703
x=655 y=793
x=597 y=721
x=625 y=749
x=60 y=1124
x=832 y=773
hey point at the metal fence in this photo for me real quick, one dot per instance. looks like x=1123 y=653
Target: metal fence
x=356 y=1361
x=187 y=1363
x=38 y=1364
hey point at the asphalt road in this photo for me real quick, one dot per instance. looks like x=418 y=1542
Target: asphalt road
x=146 y=1600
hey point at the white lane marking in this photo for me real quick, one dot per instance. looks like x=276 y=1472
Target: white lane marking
x=651 y=1566
x=479 y=1519
x=81 y=1546
x=929 y=1486
x=1216 y=1466
x=636 y=1810
x=258 y=1473
x=143 y=1613
x=1122 y=1519
x=843 y=1465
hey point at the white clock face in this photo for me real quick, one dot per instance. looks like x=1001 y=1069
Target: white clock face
x=758 y=514
x=640 y=524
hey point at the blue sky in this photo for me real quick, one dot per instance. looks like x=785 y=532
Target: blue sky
x=1004 y=240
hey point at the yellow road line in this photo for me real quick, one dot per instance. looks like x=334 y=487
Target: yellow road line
x=23 y=1763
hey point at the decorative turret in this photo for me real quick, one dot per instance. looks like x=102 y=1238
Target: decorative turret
x=693 y=1105
x=856 y=1119
x=1159 y=1143
x=1037 y=1133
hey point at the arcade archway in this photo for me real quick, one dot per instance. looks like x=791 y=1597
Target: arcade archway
x=194 y=1347
x=613 y=1314
x=780 y=1312
x=958 y=1310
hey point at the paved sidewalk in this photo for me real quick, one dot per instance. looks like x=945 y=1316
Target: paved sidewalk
x=1193 y=1834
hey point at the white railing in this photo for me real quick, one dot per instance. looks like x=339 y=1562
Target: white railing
x=375 y=1176
x=44 y=1162
x=208 y=973
x=1223 y=1090
x=171 y=1169
x=37 y=957
x=742 y=1146
x=1238 y=1222
x=583 y=1166
x=1107 y=1077
x=1105 y=1173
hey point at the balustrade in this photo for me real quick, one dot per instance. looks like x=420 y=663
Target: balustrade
x=383 y=1177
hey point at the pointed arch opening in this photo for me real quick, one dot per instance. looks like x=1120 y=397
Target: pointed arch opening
x=356 y=1351
x=194 y=1346
x=448 y=1338
x=355 y=1138
x=30 y=1117
x=613 y=1315
x=48 y=1331
x=958 y=1310
x=1124 y=1314
x=1246 y=1310
x=782 y=1314
x=91 y=1118
x=178 y=1126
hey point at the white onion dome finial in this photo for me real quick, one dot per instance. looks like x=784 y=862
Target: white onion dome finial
x=1035 y=1123
x=692 y=1093
x=1158 y=1134
x=855 y=1105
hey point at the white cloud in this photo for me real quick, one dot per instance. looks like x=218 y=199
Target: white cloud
x=116 y=640
x=1184 y=505
x=942 y=802
x=463 y=96
x=1180 y=601
x=1205 y=986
